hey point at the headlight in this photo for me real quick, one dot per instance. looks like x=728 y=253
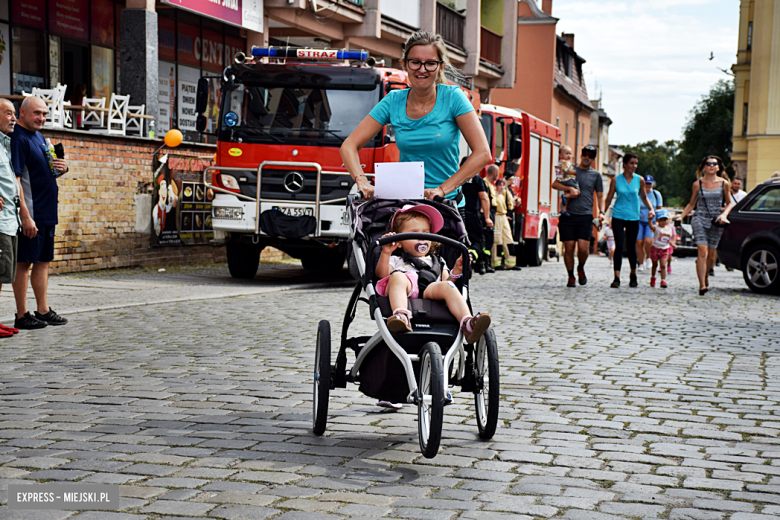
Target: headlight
x=229 y=182
x=227 y=213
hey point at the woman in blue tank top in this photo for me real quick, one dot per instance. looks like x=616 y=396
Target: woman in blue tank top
x=630 y=191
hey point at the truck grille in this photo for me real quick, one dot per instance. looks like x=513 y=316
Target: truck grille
x=295 y=185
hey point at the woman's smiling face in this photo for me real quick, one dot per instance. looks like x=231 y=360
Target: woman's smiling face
x=422 y=78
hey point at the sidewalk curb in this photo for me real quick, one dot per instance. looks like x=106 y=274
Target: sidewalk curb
x=265 y=290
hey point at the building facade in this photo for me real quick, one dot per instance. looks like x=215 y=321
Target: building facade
x=549 y=84
x=756 y=150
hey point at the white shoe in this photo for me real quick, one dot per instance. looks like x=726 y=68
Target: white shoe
x=641 y=267
x=648 y=264
x=389 y=405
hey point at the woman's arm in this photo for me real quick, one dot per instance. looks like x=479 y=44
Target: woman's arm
x=727 y=191
x=359 y=137
x=480 y=156
x=643 y=196
x=692 y=204
x=610 y=192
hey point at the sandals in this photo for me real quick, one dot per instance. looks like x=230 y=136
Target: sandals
x=474 y=327
x=399 y=321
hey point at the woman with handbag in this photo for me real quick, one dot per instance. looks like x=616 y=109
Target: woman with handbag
x=712 y=199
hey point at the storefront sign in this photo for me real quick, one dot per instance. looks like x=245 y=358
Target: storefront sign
x=166 y=97
x=69 y=18
x=242 y=13
x=103 y=22
x=30 y=13
x=166 y=39
x=187 y=39
x=186 y=89
x=181 y=203
x=5 y=58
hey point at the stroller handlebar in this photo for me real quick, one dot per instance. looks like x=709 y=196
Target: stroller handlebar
x=417 y=236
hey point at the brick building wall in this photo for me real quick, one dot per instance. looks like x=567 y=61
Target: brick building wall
x=109 y=180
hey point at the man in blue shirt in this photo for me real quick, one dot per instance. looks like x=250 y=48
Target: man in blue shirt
x=37 y=171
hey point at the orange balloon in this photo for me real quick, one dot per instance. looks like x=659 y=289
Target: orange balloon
x=173 y=138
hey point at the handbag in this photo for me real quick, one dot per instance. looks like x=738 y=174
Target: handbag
x=715 y=221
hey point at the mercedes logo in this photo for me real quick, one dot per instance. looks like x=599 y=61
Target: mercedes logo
x=293 y=182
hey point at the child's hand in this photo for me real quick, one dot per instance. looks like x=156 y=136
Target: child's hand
x=388 y=249
x=458 y=267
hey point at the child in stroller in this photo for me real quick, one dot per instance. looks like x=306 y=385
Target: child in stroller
x=419 y=272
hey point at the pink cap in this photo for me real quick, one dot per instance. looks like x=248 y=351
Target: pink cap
x=435 y=218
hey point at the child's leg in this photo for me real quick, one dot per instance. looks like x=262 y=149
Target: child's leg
x=564 y=202
x=398 y=289
x=451 y=296
x=611 y=255
x=663 y=261
x=655 y=268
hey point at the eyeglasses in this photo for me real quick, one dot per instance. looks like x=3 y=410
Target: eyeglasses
x=430 y=66
x=710 y=163
x=589 y=155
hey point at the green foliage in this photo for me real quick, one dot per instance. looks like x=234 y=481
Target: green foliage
x=673 y=164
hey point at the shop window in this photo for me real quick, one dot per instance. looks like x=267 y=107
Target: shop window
x=28 y=71
x=102 y=71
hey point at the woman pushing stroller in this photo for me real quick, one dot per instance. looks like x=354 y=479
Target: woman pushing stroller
x=418 y=272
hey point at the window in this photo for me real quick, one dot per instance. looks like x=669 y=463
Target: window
x=29 y=53
x=499 y=140
x=487 y=126
x=745 y=118
x=768 y=201
x=750 y=36
x=567 y=64
x=567 y=133
x=558 y=122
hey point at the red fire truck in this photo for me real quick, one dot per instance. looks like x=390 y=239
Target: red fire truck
x=279 y=179
x=528 y=147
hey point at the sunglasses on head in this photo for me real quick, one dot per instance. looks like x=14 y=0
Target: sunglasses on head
x=711 y=163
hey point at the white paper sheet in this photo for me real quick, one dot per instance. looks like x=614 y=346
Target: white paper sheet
x=399 y=180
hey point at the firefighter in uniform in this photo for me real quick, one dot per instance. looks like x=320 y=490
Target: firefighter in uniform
x=477 y=213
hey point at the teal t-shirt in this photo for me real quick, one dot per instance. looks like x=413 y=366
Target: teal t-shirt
x=432 y=139
x=627 y=202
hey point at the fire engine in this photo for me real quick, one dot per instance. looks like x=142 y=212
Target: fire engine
x=528 y=147
x=279 y=179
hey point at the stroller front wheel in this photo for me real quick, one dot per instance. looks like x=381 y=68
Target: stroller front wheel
x=322 y=371
x=486 y=391
x=430 y=407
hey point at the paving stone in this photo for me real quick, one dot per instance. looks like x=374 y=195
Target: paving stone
x=170 y=507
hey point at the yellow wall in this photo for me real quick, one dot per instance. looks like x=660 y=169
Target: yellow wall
x=757 y=80
x=493 y=15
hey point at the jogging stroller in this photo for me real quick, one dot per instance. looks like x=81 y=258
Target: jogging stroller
x=408 y=367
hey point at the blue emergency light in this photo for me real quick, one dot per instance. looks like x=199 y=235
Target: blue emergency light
x=305 y=53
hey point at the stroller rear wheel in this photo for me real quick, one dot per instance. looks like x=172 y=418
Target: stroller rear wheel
x=322 y=372
x=486 y=392
x=430 y=408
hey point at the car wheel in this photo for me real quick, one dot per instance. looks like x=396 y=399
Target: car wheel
x=761 y=268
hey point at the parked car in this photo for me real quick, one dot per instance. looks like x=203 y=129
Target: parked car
x=751 y=243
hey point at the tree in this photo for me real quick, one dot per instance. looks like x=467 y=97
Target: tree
x=707 y=132
x=656 y=160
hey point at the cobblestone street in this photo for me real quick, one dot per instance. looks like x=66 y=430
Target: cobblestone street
x=628 y=403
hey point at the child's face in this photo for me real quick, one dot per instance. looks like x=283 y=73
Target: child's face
x=565 y=154
x=663 y=222
x=416 y=247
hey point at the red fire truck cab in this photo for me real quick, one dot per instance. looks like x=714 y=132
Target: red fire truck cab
x=528 y=147
x=279 y=179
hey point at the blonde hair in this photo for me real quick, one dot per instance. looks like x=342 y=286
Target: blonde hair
x=429 y=38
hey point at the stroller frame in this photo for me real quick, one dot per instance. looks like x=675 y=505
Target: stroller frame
x=436 y=372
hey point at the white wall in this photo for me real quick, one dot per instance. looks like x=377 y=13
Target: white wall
x=405 y=11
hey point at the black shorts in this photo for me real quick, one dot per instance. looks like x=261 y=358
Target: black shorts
x=575 y=227
x=40 y=248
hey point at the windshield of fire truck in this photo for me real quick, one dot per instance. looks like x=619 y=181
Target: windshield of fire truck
x=297 y=115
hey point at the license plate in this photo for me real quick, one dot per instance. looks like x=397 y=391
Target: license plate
x=296 y=211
